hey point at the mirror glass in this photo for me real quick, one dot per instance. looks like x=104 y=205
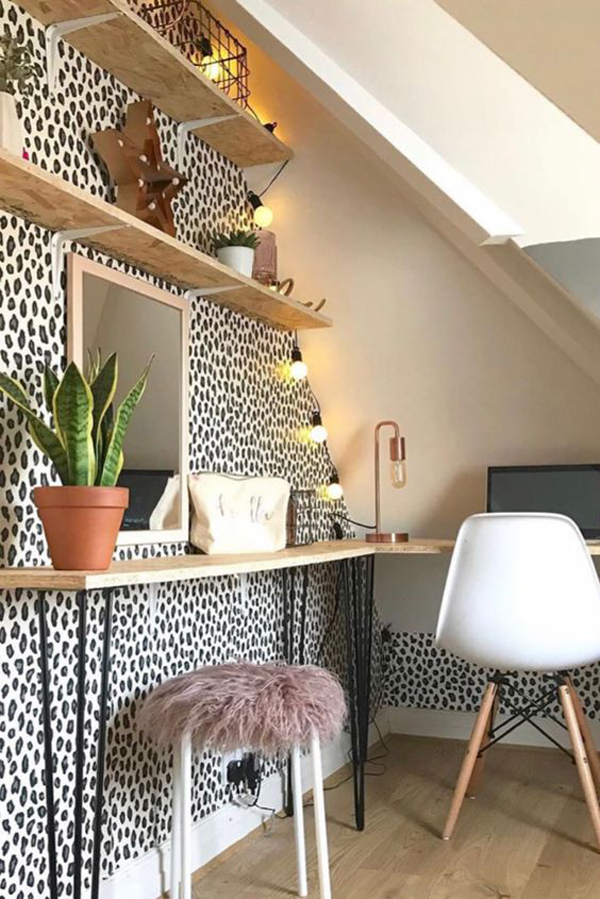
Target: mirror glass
x=117 y=313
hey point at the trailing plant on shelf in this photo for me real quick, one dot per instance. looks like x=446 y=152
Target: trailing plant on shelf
x=16 y=72
x=84 y=441
x=16 y=66
x=236 y=249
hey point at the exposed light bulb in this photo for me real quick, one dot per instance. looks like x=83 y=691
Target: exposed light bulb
x=334 y=489
x=211 y=67
x=298 y=368
x=398 y=473
x=263 y=215
x=318 y=433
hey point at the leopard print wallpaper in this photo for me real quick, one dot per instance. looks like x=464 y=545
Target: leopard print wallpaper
x=244 y=418
x=419 y=675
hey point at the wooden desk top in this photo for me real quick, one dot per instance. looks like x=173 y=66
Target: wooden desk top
x=193 y=567
x=198 y=566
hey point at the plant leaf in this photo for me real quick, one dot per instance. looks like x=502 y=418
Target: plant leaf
x=113 y=459
x=47 y=441
x=51 y=382
x=41 y=435
x=103 y=391
x=15 y=392
x=73 y=417
x=106 y=426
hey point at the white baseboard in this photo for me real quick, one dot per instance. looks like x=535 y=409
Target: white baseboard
x=148 y=876
x=458 y=726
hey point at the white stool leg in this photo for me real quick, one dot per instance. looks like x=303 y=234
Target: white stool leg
x=176 y=825
x=320 y=824
x=299 y=821
x=186 y=816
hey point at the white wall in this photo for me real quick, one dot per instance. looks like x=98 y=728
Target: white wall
x=419 y=335
x=553 y=45
x=433 y=76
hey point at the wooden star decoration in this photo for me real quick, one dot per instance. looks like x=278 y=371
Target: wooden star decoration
x=146 y=185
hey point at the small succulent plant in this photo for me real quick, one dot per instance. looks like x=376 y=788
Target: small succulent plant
x=86 y=442
x=236 y=239
x=16 y=66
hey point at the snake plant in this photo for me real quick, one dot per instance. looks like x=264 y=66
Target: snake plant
x=86 y=442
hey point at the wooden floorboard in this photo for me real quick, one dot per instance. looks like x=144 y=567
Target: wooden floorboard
x=527 y=835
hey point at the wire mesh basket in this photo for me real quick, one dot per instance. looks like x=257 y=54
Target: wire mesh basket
x=199 y=35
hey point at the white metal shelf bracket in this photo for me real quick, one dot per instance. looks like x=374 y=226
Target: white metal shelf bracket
x=57 y=247
x=184 y=128
x=55 y=32
x=210 y=291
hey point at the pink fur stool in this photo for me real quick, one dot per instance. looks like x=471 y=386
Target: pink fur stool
x=269 y=709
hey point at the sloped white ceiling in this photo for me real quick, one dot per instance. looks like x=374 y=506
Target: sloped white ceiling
x=429 y=90
x=552 y=43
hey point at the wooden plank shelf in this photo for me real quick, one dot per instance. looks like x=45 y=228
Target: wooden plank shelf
x=131 y=50
x=48 y=200
x=194 y=567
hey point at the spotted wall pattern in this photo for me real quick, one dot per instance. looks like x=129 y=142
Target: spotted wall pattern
x=419 y=675
x=244 y=418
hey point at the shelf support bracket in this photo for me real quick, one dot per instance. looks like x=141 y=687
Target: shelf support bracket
x=57 y=247
x=210 y=291
x=55 y=32
x=184 y=128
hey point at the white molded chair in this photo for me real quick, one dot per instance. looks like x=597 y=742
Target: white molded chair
x=522 y=594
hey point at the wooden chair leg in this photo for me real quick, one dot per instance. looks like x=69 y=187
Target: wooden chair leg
x=470 y=758
x=581 y=759
x=588 y=740
x=475 y=781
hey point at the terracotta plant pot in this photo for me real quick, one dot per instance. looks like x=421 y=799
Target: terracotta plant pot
x=81 y=524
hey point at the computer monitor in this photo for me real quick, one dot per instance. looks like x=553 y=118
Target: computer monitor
x=572 y=490
x=146 y=486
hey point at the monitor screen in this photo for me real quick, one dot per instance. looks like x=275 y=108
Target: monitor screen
x=572 y=490
x=146 y=487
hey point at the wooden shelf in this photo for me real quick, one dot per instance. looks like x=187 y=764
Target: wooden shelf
x=48 y=200
x=196 y=567
x=180 y=568
x=140 y=58
x=193 y=567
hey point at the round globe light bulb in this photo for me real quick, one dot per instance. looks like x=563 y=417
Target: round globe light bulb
x=334 y=490
x=263 y=216
x=211 y=67
x=299 y=370
x=318 y=433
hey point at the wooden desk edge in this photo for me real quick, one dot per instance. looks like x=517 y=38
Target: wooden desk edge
x=196 y=567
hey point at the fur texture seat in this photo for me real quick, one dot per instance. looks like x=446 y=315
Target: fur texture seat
x=264 y=708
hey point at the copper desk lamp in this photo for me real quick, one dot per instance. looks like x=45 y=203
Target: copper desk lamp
x=398 y=478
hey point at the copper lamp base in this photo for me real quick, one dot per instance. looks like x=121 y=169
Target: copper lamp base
x=397 y=537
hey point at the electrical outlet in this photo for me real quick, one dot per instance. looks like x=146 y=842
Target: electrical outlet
x=226 y=758
x=244 y=773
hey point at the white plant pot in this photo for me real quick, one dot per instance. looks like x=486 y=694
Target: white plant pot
x=11 y=130
x=239 y=258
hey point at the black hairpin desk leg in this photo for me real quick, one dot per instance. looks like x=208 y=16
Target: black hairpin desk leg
x=294 y=654
x=48 y=759
x=357 y=595
x=79 y=746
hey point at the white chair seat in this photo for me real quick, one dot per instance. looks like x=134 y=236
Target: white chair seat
x=522 y=594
